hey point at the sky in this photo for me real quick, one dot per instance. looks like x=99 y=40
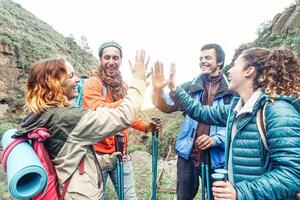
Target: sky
x=168 y=30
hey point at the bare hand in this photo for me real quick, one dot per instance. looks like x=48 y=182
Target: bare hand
x=153 y=125
x=140 y=66
x=223 y=191
x=204 y=142
x=158 y=77
x=172 y=74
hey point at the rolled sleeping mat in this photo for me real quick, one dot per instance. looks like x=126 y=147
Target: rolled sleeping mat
x=26 y=176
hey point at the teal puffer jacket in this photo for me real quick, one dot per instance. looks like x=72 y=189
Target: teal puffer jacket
x=257 y=173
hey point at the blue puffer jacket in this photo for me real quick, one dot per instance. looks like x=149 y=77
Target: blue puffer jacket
x=257 y=173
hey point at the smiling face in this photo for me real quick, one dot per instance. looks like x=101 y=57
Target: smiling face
x=70 y=83
x=208 y=62
x=110 y=61
x=236 y=74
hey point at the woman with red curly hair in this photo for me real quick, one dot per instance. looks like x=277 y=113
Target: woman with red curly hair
x=52 y=84
x=256 y=171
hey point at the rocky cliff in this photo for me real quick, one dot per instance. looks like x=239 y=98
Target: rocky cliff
x=287 y=22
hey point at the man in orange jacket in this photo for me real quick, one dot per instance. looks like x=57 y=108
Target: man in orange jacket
x=106 y=88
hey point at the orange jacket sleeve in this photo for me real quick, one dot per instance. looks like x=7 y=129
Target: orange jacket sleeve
x=139 y=124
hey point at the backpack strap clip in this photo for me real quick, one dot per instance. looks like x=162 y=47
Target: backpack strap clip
x=40 y=134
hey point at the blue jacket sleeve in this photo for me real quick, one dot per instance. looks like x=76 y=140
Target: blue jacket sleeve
x=212 y=115
x=219 y=137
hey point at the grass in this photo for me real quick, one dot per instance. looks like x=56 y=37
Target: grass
x=143 y=179
x=4 y=195
x=141 y=162
x=6 y=124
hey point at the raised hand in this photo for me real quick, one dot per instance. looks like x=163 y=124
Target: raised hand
x=140 y=66
x=158 y=77
x=172 y=74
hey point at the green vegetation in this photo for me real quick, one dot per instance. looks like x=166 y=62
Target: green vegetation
x=141 y=162
x=6 y=124
x=167 y=136
x=32 y=39
x=3 y=186
x=139 y=141
x=268 y=40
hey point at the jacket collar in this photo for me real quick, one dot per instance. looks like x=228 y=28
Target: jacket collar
x=198 y=85
x=248 y=107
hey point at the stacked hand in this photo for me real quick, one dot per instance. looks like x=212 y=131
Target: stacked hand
x=158 y=77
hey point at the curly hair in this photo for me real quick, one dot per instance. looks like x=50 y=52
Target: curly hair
x=44 y=85
x=277 y=71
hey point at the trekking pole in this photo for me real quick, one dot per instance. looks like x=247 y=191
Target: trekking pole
x=154 y=158
x=203 y=185
x=208 y=186
x=119 y=138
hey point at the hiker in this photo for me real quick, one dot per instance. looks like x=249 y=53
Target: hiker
x=259 y=76
x=197 y=142
x=52 y=83
x=106 y=88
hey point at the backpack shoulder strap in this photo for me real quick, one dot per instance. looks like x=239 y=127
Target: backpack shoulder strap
x=79 y=99
x=261 y=124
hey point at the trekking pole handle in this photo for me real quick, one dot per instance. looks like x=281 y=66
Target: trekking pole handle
x=120 y=143
x=157 y=120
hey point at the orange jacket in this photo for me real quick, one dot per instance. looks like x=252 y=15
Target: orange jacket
x=93 y=98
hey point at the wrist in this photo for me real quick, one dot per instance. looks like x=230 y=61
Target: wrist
x=157 y=90
x=139 y=76
x=173 y=88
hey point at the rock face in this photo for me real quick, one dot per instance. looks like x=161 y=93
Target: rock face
x=279 y=26
x=2 y=89
x=11 y=81
x=293 y=23
x=287 y=22
x=9 y=71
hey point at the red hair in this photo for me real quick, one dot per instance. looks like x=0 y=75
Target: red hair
x=44 y=88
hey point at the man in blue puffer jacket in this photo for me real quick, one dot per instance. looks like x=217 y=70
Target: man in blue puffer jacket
x=196 y=142
x=258 y=76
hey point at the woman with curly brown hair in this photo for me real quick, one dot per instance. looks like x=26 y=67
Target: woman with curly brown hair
x=259 y=76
